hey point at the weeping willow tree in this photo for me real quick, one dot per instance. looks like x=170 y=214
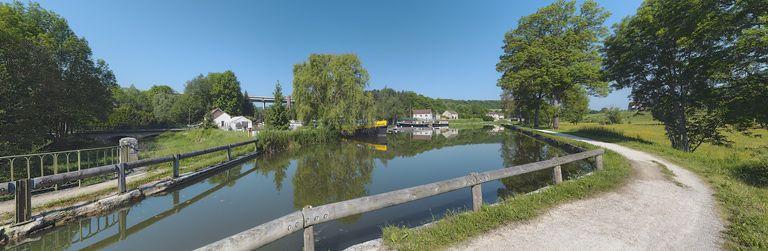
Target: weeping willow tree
x=330 y=90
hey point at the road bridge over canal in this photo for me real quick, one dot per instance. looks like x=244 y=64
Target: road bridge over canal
x=267 y=99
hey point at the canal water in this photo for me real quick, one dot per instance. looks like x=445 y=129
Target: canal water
x=270 y=187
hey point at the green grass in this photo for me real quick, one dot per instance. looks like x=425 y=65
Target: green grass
x=737 y=173
x=669 y=175
x=458 y=227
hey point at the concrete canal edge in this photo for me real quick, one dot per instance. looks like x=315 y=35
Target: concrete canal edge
x=17 y=232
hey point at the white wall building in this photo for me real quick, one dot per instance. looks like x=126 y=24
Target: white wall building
x=226 y=122
x=423 y=114
x=495 y=115
x=450 y=115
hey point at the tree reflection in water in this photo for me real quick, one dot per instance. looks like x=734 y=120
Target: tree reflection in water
x=518 y=149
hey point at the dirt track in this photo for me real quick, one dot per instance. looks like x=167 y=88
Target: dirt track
x=650 y=212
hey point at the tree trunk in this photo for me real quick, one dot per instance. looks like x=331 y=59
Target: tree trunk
x=556 y=117
x=536 y=115
x=683 y=129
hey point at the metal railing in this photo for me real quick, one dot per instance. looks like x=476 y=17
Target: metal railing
x=23 y=187
x=308 y=217
x=29 y=166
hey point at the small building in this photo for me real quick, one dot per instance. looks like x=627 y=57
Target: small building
x=422 y=114
x=221 y=118
x=226 y=122
x=241 y=123
x=495 y=115
x=450 y=115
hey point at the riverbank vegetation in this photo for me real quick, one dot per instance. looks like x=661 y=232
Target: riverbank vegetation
x=738 y=173
x=457 y=227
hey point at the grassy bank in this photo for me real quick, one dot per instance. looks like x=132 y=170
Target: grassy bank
x=737 y=173
x=459 y=227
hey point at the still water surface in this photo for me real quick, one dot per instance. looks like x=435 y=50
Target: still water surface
x=270 y=187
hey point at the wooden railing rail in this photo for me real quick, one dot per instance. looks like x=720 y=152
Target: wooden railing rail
x=308 y=217
x=22 y=187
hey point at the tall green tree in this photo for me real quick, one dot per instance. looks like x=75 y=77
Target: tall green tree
x=329 y=89
x=225 y=92
x=196 y=100
x=698 y=72
x=248 y=108
x=49 y=83
x=277 y=115
x=550 y=52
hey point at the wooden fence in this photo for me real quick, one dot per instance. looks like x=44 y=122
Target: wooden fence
x=23 y=187
x=308 y=217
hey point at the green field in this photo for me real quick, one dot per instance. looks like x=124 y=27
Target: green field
x=738 y=173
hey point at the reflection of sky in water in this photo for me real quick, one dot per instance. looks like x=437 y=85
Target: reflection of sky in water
x=264 y=189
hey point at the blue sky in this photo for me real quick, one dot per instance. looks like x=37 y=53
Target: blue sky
x=445 y=49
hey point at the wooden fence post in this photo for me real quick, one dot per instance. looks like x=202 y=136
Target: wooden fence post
x=309 y=235
x=229 y=152
x=176 y=158
x=557 y=174
x=599 y=162
x=121 y=177
x=477 y=197
x=23 y=200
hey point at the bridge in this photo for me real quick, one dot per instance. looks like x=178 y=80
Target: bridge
x=267 y=99
x=116 y=134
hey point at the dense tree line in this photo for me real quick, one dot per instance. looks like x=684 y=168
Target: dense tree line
x=161 y=106
x=49 y=82
x=390 y=104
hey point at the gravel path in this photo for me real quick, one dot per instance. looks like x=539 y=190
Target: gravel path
x=650 y=212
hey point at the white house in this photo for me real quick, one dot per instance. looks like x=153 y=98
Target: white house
x=423 y=114
x=221 y=118
x=495 y=115
x=450 y=115
x=226 y=122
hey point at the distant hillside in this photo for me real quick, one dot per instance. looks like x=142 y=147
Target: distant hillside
x=390 y=103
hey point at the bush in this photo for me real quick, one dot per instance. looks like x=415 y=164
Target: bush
x=614 y=116
x=487 y=118
x=271 y=141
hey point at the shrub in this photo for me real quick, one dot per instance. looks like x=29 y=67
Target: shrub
x=614 y=116
x=271 y=141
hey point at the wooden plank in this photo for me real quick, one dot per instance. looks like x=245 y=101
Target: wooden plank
x=261 y=235
x=51 y=180
x=333 y=211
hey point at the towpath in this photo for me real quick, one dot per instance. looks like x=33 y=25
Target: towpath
x=650 y=212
